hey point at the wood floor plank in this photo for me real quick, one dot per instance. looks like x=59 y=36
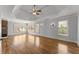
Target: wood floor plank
x=32 y=44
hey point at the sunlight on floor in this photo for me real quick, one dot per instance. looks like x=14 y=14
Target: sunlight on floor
x=20 y=39
x=62 y=48
x=34 y=40
x=37 y=43
x=31 y=39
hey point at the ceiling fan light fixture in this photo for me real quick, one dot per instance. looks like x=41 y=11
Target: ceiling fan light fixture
x=35 y=11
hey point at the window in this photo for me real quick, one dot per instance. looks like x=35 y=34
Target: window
x=37 y=28
x=19 y=27
x=31 y=28
x=63 y=28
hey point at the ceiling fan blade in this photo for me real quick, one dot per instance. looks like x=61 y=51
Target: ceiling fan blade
x=37 y=13
x=39 y=10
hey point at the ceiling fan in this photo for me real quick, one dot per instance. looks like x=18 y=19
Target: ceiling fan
x=36 y=11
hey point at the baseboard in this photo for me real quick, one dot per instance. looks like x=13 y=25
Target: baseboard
x=16 y=34
x=53 y=38
x=44 y=36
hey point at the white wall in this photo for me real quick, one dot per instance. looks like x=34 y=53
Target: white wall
x=0 y=28
x=47 y=30
x=78 y=31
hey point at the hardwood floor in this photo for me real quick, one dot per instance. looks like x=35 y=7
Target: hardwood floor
x=31 y=44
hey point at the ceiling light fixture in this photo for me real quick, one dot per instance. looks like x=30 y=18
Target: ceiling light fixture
x=36 y=11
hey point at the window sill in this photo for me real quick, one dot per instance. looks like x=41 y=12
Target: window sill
x=63 y=34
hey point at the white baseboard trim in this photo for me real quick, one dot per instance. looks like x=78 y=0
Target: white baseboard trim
x=16 y=34
x=55 y=38
x=44 y=36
